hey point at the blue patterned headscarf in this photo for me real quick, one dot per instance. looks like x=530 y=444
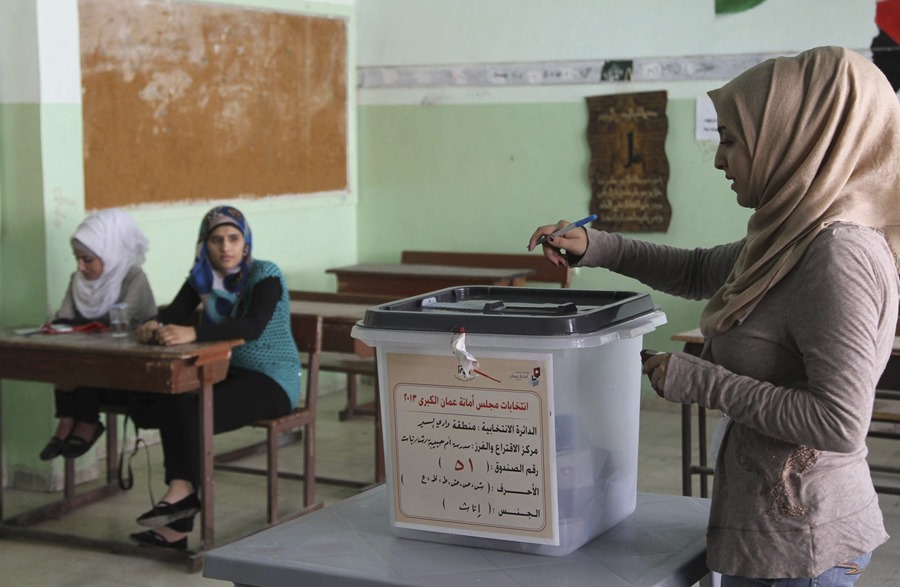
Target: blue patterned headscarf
x=220 y=292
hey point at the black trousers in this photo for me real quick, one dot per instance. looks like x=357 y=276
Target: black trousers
x=83 y=403
x=243 y=397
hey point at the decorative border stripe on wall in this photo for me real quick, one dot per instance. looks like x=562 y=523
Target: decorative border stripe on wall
x=649 y=69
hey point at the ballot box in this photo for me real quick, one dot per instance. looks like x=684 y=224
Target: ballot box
x=511 y=415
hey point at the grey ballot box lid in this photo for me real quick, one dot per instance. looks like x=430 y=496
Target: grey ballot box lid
x=510 y=310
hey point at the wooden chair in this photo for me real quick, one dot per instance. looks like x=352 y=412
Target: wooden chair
x=544 y=271
x=341 y=354
x=307 y=331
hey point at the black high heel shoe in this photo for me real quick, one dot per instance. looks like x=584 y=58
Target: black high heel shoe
x=152 y=538
x=75 y=446
x=184 y=525
x=53 y=449
x=165 y=513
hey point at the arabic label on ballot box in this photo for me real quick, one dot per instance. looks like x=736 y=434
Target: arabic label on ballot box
x=474 y=456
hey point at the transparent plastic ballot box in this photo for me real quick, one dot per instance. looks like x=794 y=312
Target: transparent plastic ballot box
x=510 y=415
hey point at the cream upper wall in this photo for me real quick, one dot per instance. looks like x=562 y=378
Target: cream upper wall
x=407 y=32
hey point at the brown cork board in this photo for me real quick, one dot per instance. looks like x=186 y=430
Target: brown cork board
x=192 y=102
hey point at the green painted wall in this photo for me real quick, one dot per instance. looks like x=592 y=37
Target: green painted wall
x=23 y=277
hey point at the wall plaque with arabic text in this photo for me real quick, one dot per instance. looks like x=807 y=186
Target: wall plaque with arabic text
x=629 y=171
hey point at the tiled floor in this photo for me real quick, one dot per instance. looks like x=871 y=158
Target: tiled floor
x=345 y=450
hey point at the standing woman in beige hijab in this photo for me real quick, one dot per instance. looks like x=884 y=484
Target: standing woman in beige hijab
x=801 y=315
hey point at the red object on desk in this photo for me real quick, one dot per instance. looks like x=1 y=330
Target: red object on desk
x=66 y=329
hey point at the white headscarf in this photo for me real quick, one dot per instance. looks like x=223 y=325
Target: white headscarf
x=116 y=238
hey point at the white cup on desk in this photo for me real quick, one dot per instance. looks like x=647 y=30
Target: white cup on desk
x=118 y=319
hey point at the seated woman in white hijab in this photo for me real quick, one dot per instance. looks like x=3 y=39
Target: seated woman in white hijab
x=109 y=250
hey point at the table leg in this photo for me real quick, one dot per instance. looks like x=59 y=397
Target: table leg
x=1 y=452
x=207 y=512
x=686 y=450
x=704 y=466
x=688 y=469
x=379 y=435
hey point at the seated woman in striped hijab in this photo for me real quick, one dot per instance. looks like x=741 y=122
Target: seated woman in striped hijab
x=241 y=298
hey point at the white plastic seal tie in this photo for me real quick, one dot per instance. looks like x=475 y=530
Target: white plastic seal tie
x=468 y=364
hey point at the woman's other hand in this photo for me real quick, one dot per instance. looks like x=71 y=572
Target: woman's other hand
x=172 y=334
x=573 y=242
x=656 y=366
x=146 y=332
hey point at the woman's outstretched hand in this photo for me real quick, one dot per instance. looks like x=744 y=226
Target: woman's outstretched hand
x=171 y=334
x=573 y=242
x=168 y=335
x=146 y=332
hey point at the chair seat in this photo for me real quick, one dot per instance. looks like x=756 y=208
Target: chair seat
x=346 y=363
x=295 y=418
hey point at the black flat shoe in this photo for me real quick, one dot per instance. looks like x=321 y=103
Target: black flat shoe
x=151 y=538
x=165 y=513
x=76 y=446
x=184 y=525
x=53 y=449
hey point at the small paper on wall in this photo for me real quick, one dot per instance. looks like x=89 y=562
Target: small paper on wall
x=706 y=120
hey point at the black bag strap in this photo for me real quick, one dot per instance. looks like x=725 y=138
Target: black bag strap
x=126 y=483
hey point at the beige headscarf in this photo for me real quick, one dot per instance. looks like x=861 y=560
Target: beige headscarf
x=823 y=130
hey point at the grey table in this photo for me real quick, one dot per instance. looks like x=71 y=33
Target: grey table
x=662 y=544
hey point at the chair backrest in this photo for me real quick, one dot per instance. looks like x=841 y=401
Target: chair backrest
x=544 y=270
x=307 y=332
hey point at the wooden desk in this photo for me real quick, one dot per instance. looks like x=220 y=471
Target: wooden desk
x=404 y=280
x=543 y=270
x=350 y=543
x=888 y=387
x=101 y=360
x=337 y=320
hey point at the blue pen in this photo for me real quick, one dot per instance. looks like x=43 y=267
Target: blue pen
x=567 y=228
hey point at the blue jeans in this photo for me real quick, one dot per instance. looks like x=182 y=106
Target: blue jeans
x=842 y=575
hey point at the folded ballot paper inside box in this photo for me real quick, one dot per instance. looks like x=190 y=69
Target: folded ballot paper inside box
x=510 y=414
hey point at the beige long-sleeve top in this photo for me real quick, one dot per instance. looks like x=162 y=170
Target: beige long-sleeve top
x=136 y=293
x=792 y=494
